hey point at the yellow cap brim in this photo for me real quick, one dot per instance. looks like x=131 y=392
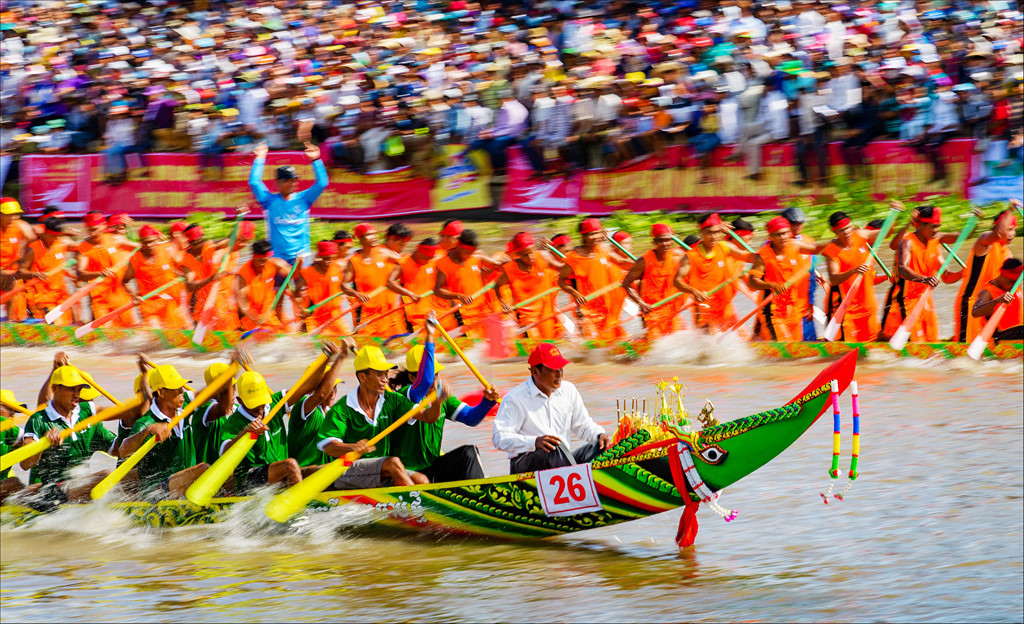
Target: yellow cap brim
x=263 y=398
x=88 y=393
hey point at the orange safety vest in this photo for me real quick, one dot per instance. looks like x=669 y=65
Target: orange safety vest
x=47 y=295
x=320 y=286
x=655 y=285
x=708 y=271
x=163 y=310
x=924 y=260
x=528 y=284
x=260 y=293
x=600 y=316
x=979 y=271
x=782 y=319
x=861 y=321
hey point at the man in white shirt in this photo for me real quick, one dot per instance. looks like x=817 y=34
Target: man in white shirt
x=536 y=419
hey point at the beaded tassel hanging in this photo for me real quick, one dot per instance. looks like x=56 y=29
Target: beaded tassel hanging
x=855 y=456
x=707 y=497
x=834 y=471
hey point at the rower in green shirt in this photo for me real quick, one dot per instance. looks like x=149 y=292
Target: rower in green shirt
x=368 y=410
x=419 y=444
x=309 y=412
x=172 y=464
x=62 y=412
x=210 y=416
x=10 y=439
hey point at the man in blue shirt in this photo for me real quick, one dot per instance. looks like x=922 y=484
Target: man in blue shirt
x=287 y=211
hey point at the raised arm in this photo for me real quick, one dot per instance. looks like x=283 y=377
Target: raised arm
x=321 y=180
x=634 y=274
x=256 y=185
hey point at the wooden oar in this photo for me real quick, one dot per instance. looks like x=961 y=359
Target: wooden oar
x=681 y=243
x=112 y=479
x=771 y=297
x=314 y=307
x=284 y=287
x=902 y=335
x=607 y=288
x=370 y=321
x=77 y=296
x=458 y=350
x=688 y=304
x=95 y=324
x=452 y=310
x=736 y=237
x=530 y=300
x=43 y=443
x=293 y=500
x=977 y=348
x=354 y=306
x=611 y=239
x=952 y=253
x=17 y=408
x=206 y=315
x=5 y=297
x=203 y=489
x=97 y=387
x=555 y=251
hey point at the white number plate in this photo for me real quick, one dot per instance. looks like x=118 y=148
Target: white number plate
x=568 y=491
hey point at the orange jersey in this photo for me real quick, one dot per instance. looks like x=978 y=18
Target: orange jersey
x=225 y=308
x=782 y=319
x=924 y=259
x=320 y=286
x=800 y=292
x=370 y=272
x=1014 y=315
x=526 y=284
x=163 y=310
x=979 y=271
x=708 y=271
x=259 y=294
x=11 y=241
x=656 y=285
x=600 y=316
x=110 y=294
x=46 y=295
x=420 y=278
x=467 y=279
x=861 y=321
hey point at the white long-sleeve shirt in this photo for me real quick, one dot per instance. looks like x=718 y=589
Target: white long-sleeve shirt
x=526 y=413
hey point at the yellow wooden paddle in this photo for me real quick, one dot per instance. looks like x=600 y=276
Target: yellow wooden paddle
x=293 y=500
x=201 y=492
x=43 y=443
x=461 y=354
x=115 y=477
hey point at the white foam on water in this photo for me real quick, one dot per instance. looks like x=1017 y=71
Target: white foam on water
x=700 y=348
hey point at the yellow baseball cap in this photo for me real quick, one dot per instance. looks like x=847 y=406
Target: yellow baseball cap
x=371 y=357
x=415 y=356
x=7 y=397
x=10 y=206
x=90 y=392
x=165 y=377
x=215 y=370
x=67 y=376
x=138 y=381
x=253 y=390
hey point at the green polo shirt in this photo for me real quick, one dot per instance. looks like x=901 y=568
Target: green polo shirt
x=207 y=435
x=303 y=432
x=9 y=439
x=56 y=462
x=270 y=447
x=347 y=422
x=174 y=454
x=418 y=444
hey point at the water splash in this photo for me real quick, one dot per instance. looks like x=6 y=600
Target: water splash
x=699 y=348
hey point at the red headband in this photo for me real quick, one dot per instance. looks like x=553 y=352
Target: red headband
x=935 y=219
x=363 y=229
x=118 y=219
x=194 y=233
x=427 y=250
x=845 y=221
x=326 y=248
x=1011 y=219
x=47 y=230
x=148 y=231
x=347 y=239
x=660 y=229
x=263 y=255
x=178 y=226
x=521 y=241
x=1012 y=274
x=452 y=229
x=590 y=225
x=93 y=219
x=563 y=239
x=711 y=221
x=466 y=247
x=776 y=224
x=620 y=236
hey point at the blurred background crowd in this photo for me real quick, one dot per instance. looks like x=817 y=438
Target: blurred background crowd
x=577 y=85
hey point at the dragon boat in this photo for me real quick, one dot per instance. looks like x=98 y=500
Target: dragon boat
x=642 y=474
x=39 y=334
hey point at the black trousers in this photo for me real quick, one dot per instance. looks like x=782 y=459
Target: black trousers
x=456 y=465
x=560 y=456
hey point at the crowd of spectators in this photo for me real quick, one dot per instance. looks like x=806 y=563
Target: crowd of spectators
x=576 y=84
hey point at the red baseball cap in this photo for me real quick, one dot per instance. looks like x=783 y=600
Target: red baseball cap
x=148 y=231
x=548 y=355
x=660 y=229
x=590 y=225
x=179 y=226
x=776 y=224
x=363 y=229
x=326 y=249
x=452 y=229
x=93 y=219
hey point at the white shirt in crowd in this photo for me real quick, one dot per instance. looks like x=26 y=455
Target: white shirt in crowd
x=526 y=413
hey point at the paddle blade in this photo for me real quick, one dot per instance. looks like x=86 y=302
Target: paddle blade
x=22 y=453
x=89 y=327
x=293 y=500
x=977 y=348
x=832 y=330
x=900 y=338
x=202 y=491
x=115 y=477
x=54 y=314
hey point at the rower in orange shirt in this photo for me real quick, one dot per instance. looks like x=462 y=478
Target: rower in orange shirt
x=254 y=288
x=459 y=277
x=318 y=282
x=48 y=253
x=97 y=256
x=707 y=265
x=591 y=269
x=200 y=264
x=918 y=258
x=656 y=270
x=997 y=291
x=367 y=270
x=774 y=264
x=415 y=275
x=802 y=292
x=15 y=235
x=847 y=255
x=527 y=275
x=396 y=238
x=151 y=268
x=448 y=237
x=990 y=251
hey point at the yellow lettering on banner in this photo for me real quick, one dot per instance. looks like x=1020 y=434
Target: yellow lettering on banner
x=347 y=201
x=221 y=200
x=156 y=199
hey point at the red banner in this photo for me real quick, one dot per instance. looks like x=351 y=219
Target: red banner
x=175 y=187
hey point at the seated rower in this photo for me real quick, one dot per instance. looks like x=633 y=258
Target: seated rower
x=172 y=464
x=310 y=411
x=210 y=415
x=368 y=410
x=53 y=467
x=419 y=444
x=536 y=418
x=10 y=439
x=1000 y=290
